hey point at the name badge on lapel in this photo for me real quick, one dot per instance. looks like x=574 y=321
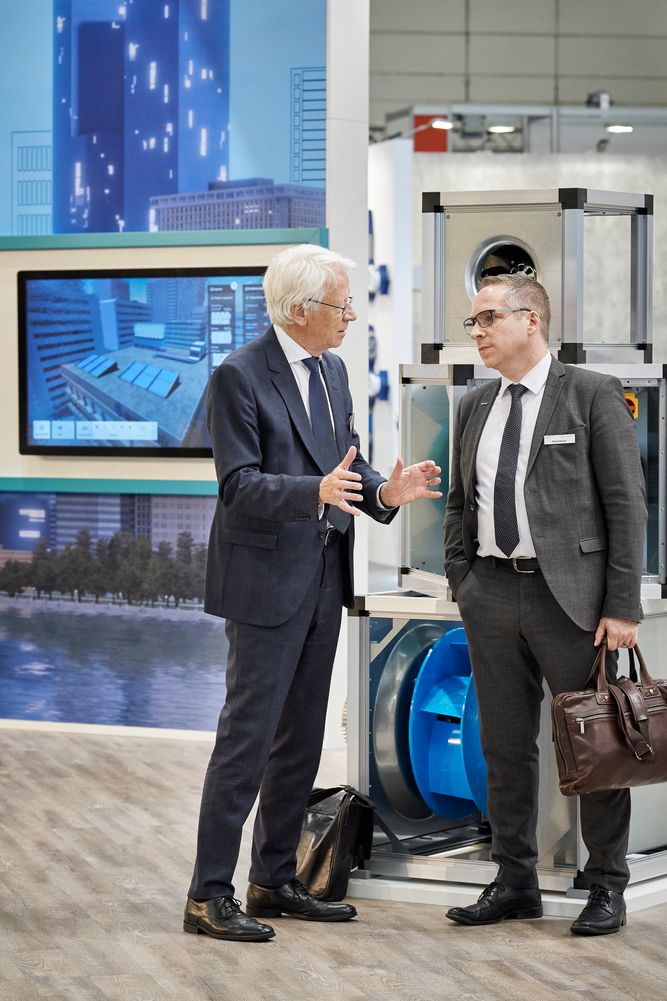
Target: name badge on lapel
x=559 y=439
x=350 y=423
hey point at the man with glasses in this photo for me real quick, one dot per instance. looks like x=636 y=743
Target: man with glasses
x=291 y=482
x=544 y=537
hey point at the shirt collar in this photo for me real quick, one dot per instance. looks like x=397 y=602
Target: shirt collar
x=533 y=380
x=292 y=351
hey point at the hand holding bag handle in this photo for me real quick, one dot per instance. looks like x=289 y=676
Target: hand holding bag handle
x=636 y=736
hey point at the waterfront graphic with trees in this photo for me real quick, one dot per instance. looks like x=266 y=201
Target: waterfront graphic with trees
x=121 y=569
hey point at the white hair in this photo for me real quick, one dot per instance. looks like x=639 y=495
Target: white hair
x=297 y=276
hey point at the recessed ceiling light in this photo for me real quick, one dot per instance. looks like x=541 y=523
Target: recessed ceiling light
x=620 y=128
x=501 y=129
x=441 y=123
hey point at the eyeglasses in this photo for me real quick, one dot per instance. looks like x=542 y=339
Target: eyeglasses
x=347 y=308
x=486 y=317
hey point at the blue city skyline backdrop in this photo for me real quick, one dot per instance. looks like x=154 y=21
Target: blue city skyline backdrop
x=267 y=43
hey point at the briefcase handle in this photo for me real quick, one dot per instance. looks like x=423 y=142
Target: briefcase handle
x=599 y=668
x=625 y=694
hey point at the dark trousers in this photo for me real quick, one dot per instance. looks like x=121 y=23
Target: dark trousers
x=269 y=738
x=518 y=635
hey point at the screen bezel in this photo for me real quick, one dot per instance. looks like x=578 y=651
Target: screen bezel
x=112 y=451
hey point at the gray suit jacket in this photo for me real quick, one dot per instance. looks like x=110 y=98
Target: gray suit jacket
x=266 y=540
x=586 y=502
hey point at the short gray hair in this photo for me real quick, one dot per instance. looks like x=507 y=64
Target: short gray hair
x=298 y=275
x=520 y=290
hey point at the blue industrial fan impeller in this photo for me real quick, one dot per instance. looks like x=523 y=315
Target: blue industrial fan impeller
x=445 y=748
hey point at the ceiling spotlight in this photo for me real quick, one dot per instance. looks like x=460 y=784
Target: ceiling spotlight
x=441 y=123
x=620 y=128
x=501 y=129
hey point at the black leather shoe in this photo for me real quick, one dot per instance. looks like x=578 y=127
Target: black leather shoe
x=498 y=903
x=222 y=917
x=294 y=899
x=603 y=914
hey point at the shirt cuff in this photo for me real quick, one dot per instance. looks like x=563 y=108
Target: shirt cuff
x=383 y=507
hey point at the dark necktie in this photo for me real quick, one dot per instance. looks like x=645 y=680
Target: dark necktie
x=323 y=432
x=504 y=493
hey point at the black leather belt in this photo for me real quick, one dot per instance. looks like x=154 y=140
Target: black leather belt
x=514 y=565
x=330 y=536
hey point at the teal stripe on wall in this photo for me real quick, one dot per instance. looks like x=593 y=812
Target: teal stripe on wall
x=55 y=485
x=202 y=238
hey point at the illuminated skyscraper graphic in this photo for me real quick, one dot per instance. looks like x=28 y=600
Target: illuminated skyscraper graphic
x=88 y=115
x=176 y=100
x=141 y=106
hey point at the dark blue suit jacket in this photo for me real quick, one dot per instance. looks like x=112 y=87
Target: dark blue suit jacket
x=266 y=540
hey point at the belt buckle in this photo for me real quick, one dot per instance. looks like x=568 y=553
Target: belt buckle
x=330 y=534
x=514 y=564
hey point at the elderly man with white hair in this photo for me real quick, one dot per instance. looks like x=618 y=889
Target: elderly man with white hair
x=291 y=482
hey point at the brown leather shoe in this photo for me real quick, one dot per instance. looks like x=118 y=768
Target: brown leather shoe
x=294 y=899
x=222 y=917
x=499 y=903
x=603 y=914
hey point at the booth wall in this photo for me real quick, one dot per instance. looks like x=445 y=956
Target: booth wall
x=346 y=194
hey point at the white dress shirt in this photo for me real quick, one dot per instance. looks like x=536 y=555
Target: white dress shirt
x=295 y=355
x=487 y=460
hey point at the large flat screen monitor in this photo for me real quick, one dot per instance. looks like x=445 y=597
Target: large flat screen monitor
x=118 y=362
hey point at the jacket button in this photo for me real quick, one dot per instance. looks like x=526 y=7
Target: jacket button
x=472 y=507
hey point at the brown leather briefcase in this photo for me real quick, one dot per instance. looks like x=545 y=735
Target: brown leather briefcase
x=611 y=735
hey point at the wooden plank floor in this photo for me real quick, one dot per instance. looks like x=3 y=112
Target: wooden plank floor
x=96 y=845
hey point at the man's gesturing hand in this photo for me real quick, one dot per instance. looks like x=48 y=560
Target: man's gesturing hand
x=409 y=483
x=341 y=485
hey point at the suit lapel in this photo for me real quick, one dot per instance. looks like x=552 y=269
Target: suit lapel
x=553 y=387
x=337 y=400
x=285 y=383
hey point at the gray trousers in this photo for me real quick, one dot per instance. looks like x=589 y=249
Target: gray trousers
x=269 y=738
x=518 y=635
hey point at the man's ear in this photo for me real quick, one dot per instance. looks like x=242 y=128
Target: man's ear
x=534 y=322
x=299 y=314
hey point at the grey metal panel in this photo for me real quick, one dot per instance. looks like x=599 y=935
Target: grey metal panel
x=572 y=301
x=641 y=279
x=614 y=199
x=662 y=489
x=460 y=870
x=472 y=230
x=432 y=275
x=358 y=646
x=537 y=196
